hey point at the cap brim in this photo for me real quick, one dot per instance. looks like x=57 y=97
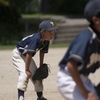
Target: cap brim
x=52 y=28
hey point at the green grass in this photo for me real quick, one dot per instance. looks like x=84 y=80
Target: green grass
x=7 y=47
x=39 y=15
x=10 y=47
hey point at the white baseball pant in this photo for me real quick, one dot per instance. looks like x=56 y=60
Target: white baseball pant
x=67 y=87
x=19 y=63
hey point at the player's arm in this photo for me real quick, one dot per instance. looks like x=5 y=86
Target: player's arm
x=72 y=67
x=41 y=58
x=28 y=60
x=43 y=51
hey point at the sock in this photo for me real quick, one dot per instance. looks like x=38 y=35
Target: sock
x=39 y=94
x=20 y=94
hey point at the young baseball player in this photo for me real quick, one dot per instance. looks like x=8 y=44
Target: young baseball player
x=81 y=59
x=23 y=53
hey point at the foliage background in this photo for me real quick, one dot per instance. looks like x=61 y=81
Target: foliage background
x=12 y=29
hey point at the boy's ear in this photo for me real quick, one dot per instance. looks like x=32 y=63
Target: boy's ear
x=42 y=31
x=96 y=20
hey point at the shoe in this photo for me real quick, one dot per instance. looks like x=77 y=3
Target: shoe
x=21 y=98
x=41 y=98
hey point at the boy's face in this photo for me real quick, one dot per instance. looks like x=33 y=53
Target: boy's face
x=99 y=22
x=96 y=22
x=48 y=35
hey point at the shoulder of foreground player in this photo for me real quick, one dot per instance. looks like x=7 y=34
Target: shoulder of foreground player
x=85 y=34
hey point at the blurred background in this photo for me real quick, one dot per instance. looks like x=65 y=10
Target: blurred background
x=19 y=18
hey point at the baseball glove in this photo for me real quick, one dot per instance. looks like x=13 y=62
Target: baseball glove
x=98 y=89
x=41 y=73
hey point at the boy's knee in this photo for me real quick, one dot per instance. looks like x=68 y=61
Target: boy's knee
x=23 y=81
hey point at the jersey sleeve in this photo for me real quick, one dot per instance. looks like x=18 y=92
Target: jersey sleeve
x=28 y=44
x=46 y=47
x=79 y=48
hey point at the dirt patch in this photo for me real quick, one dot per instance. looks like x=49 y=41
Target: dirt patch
x=9 y=77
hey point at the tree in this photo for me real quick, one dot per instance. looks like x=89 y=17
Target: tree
x=69 y=7
x=9 y=24
x=25 y=6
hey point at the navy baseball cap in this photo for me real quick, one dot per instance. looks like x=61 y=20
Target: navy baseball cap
x=47 y=25
x=92 y=8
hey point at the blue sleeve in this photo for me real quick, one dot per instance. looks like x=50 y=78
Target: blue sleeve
x=27 y=44
x=79 y=47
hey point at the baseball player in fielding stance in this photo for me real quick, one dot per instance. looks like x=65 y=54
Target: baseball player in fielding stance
x=23 y=61
x=81 y=59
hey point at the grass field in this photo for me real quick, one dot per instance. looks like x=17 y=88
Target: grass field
x=60 y=45
x=39 y=15
x=6 y=47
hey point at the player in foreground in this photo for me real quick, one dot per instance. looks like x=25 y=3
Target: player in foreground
x=81 y=59
x=23 y=53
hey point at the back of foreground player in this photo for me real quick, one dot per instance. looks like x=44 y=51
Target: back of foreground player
x=81 y=59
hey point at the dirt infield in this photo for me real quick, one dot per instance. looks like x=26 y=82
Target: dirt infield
x=8 y=76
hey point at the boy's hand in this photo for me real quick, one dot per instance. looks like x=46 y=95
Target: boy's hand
x=91 y=96
x=29 y=74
